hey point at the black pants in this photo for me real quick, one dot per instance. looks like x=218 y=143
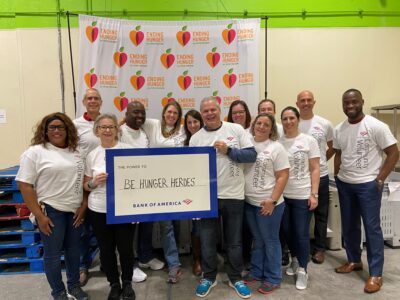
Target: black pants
x=321 y=214
x=109 y=238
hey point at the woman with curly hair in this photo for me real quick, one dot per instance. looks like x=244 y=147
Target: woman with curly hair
x=50 y=178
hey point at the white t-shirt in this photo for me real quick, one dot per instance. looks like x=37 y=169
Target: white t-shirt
x=56 y=174
x=96 y=164
x=153 y=128
x=260 y=176
x=300 y=150
x=87 y=139
x=322 y=130
x=229 y=173
x=136 y=138
x=362 y=146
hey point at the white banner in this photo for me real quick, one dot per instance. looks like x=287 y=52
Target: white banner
x=158 y=61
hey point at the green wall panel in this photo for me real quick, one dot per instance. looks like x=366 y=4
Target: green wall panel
x=282 y=13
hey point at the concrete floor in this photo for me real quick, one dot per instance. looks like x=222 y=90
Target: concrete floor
x=324 y=283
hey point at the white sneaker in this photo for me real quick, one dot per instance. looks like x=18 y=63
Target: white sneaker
x=138 y=275
x=302 y=279
x=292 y=269
x=153 y=264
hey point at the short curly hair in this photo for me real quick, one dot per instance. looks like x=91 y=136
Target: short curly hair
x=40 y=135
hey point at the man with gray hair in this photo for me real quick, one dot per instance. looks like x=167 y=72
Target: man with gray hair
x=233 y=147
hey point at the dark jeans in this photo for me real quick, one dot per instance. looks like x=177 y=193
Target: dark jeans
x=321 y=214
x=362 y=201
x=112 y=237
x=266 y=255
x=231 y=211
x=296 y=223
x=88 y=246
x=65 y=237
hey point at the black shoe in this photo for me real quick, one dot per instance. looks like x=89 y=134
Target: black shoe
x=115 y=292
x=285 y=258
x=127 y=292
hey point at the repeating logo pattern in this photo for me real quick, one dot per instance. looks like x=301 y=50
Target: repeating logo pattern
x=163 y=60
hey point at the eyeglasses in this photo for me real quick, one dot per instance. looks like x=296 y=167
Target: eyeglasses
x=55 y=127
x=95 y=98
x=239 y=112
x=104 y=128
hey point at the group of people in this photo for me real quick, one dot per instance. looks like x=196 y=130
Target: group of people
x=271 y=177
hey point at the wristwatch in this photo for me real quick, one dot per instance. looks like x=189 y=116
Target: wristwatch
x=314 y=195
x=274 y=202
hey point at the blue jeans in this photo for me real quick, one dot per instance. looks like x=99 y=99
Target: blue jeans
x=362 y=201
x=65 y=237
x=231 y=211
x=88 y=246
x=296 y=223
x=321 y=214
x=266 y=255
x=170 y=247
x=145 y=242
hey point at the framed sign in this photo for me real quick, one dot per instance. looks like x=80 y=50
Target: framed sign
x=155 y=184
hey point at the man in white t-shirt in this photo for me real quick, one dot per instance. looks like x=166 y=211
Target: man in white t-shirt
x=84 y=124
x=87 y=142
x=322 y=130
x=359 y=143
x=133 y=134
x=233 y=147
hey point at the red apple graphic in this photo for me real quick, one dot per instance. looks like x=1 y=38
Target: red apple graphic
x=136 y=36
x=183 y=36
x=167 y=99
x=167 y=58
x=92 y=32
x=121 y=102
x=120 y=57
x=229 y=79
x=215 y=93
x=213 y=57
x=184 y=80
x=90 y=78
x=228 y=34
x=137 y=80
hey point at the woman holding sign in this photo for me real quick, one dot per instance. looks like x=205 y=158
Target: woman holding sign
x=115 y=236
x=168 y=133
x=265 y=181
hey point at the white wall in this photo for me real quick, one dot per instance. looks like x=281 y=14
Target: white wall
x=326 y=60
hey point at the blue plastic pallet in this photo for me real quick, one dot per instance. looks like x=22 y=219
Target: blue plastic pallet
x=12 y=237
x=11 y=197
x=17 y=223
x=21 y=266
x=20 y=251
x=7 y=179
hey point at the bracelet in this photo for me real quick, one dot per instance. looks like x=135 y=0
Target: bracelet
x=90 y=185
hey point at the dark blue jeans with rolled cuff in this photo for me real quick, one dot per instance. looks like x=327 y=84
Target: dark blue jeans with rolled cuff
x=64 y=237
x=88 y=246
x=321 y=214
x=231 y=211
x=266 y=254
x=296 y=223
x=358 y=201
